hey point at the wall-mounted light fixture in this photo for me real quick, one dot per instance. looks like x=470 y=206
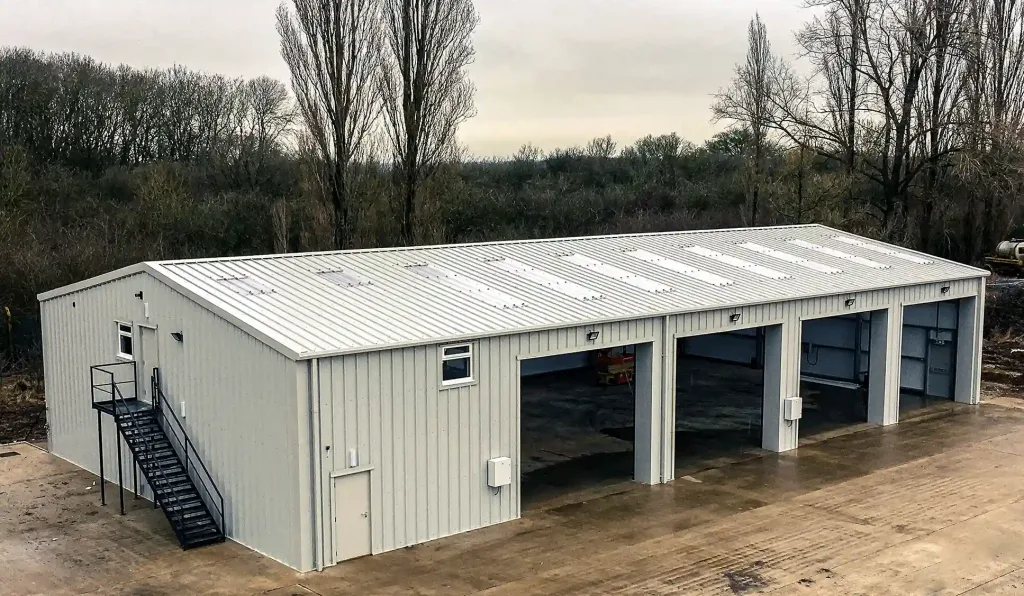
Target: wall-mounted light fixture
x=139 y=294
x=735 y=317
x=593 y=335
x=850 y=302
x=945 y=289
x=178 y=336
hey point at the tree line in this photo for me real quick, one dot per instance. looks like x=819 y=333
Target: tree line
x=918 y=104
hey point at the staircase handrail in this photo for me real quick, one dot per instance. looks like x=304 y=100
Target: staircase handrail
x=116 y=395
x=162 y=407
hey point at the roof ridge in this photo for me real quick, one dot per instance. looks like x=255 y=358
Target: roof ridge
x=427 y=247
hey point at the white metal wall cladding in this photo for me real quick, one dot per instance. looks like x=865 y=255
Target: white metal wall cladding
x=241 y=402
x=429 y=447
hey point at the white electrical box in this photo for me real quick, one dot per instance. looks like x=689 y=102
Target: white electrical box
x=793 y=408
x=499 y=472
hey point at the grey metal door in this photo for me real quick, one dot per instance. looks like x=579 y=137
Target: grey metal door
x=941 y=363
x=148 y=359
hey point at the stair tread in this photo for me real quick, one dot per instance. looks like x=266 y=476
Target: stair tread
x=184 y=504
x=168 y=478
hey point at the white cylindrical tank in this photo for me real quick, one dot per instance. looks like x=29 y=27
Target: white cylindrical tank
x=1010 y=250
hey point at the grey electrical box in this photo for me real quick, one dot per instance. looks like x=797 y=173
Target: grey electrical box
x=499 y=472
x=793 y=408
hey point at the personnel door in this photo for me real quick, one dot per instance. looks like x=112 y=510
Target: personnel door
x=148 y=359
x=351 y=509
x=941 y=363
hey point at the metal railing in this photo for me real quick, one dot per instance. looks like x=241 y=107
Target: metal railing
x=194 y=466
x=119 y=409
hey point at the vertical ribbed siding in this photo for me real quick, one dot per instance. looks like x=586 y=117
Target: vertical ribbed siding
x=78 y=332
x=428 y=446
x=970 y=335
x=238 y=394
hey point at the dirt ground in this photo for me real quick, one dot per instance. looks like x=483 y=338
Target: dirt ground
x=22 y=409
x=1003 y=366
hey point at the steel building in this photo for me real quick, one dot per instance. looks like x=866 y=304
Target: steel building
x=339 y=404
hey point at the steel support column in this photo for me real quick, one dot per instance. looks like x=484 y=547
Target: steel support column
x=967 y=380
x=99 y=434
x=781 y=380
x=647 y=444
x=120 y=480
x=884 y=363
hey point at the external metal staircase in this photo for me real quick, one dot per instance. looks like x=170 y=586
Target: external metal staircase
x=162 y=452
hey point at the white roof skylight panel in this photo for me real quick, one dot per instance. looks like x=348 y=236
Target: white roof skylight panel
x=785 y=256
x=735 y=262
x=684 y=269
x=467 y=286
x=547 y=280
x=613 y=272
x=342 y=278
x=839 y=254
x=244 y=285
x=884 y=250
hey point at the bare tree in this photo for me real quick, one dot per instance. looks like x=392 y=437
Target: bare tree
x=943 y=79
x=332 y=50
x=1003 y=89
x=425 y=89
x=748 y=104
x=834 y=47
x=263 y=115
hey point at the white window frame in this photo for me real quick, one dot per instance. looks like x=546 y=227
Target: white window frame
x=445 y=357
x=130 y=334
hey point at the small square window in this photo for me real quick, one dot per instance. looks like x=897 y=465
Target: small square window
x=125 y=349
x=457 y=365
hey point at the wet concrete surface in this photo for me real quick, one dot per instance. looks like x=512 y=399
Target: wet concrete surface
x=577 y=434
x=934 y=505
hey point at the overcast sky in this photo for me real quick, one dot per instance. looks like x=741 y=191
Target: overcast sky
x=551 y=72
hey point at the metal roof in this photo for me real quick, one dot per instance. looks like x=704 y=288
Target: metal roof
x=318 y=304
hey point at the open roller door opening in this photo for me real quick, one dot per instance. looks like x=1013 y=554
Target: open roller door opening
x=578 y=423
x=719 y=397
x=834 y=364
x=929 y=354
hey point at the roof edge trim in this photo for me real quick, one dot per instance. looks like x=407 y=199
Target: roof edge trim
x=92 y=282
x=242 y=325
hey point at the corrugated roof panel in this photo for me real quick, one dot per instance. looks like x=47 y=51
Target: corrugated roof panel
x=508 y=287
x=839 y=254
x=884 y=250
